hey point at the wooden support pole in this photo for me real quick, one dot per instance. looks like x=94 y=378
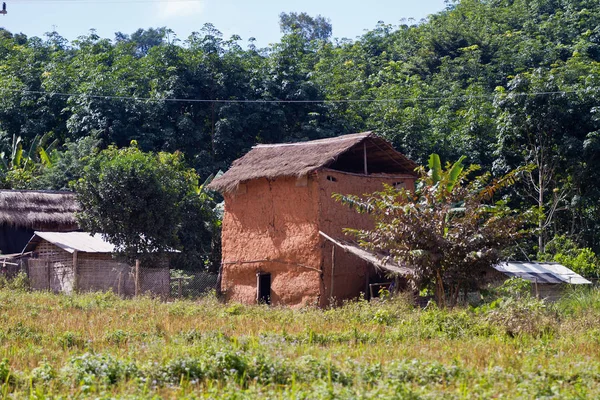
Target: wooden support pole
x=137 y=277
x=180 y=287
x=48 y=275
x=365 y=158
x=332 y=271
x=120 y=283
x=75 y=273
x=367 y=297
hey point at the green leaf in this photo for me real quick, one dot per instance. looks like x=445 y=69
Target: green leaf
x=44 y=157
x=435 y=168
x=454 y=173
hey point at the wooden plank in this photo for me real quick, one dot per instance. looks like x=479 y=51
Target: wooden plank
x=365 y=158
x=332 y=271
x=75 y=273
x=137 y=277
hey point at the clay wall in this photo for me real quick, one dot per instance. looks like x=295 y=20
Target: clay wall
x=351 y=275
x=272 y=227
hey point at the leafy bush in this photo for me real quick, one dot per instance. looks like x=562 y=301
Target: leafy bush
x=18 y=282
x=525 y=315
x=514 y=287
x=43 y=373
x=5 y=374
x=70 y=339
x=103 y=368
x=565 y=251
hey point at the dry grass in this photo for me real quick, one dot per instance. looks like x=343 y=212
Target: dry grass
x=98 y=345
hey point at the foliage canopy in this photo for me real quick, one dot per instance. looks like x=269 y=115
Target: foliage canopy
x=143 y=202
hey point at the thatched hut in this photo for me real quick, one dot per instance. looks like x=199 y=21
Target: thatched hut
x=281 y=227
x=24 y=211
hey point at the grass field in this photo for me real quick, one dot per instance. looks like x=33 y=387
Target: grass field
x=101 y=346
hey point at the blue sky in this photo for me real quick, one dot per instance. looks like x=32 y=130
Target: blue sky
x=258 y=18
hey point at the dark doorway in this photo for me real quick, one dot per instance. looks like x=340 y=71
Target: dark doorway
x=264 y=288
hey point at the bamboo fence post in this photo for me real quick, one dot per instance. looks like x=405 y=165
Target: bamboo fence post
x=332 y=271
x=75 y=273
x=365 y=157
x=48 y=275
x=137 y=277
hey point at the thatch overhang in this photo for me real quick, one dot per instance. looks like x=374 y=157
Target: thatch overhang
x=344 y=153
x=39 y=210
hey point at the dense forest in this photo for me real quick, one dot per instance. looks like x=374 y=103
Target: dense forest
x=504 y=82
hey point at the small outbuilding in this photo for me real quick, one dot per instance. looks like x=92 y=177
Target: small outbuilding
x=548 y=279
x=283 y=233
x=79 y=262
x=22 y=212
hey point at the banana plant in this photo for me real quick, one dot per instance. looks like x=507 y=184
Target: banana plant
x=19 y=159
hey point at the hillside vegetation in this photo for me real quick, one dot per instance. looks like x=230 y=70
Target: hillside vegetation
x=101 y=346
x=503 y=82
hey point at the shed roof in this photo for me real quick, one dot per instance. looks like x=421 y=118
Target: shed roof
x=38 y=209
x=297 y=159
x=541 y=272
x=72 y=241
x=369 y=257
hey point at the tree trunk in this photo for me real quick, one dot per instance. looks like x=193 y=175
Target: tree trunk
x=440 y=295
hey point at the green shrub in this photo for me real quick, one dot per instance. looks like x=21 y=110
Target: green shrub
x=117 y=336
x=5 y=374
x=70 y=339
x=19 y=282
x=565 y=251
x=514 y=287
x=103 y=368
x=43 y=373
x=524 y=316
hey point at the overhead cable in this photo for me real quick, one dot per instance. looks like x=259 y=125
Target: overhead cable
x=279 y=101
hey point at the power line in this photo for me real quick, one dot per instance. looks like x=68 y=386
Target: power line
x=248 y=101
x=107 y=1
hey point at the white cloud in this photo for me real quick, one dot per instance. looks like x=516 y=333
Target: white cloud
x=180 y=8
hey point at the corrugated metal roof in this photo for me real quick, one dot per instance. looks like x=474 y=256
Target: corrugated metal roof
x=73 y=241
x=541 y=272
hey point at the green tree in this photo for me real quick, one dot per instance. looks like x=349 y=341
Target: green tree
x=310 y=28
x=142 y=202
x=447 y=230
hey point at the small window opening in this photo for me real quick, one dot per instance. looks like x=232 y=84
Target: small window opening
x=331 y=178
x=264 y=288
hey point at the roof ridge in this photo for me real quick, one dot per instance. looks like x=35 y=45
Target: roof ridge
x=352 y=136
x=41 y=191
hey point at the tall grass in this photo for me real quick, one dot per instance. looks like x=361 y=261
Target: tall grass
x=101 y=346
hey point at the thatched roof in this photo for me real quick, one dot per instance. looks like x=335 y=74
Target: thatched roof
x=344 y=153
x=40 y=210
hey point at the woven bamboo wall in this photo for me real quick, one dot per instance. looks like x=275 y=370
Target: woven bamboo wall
x=52 y=269
x=102 y=272
x=37 y=271
x=60 y=278
x=156 y=280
